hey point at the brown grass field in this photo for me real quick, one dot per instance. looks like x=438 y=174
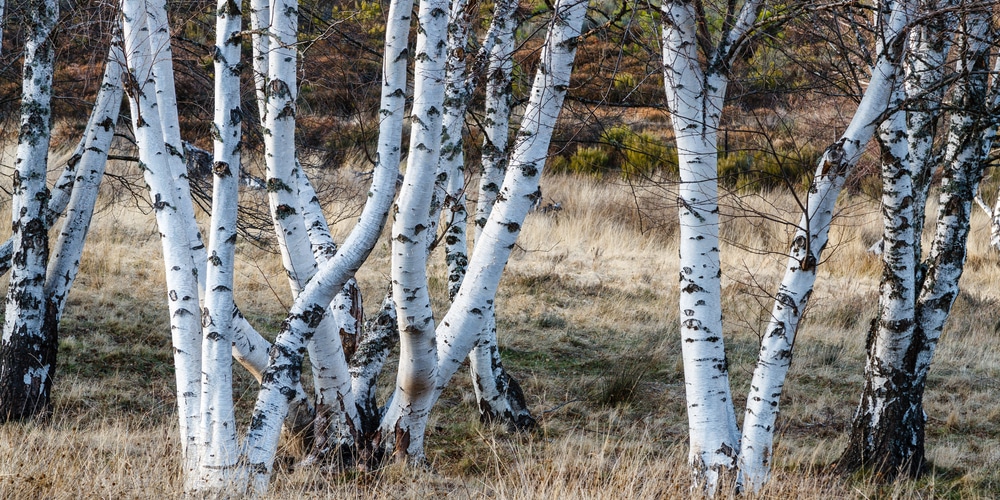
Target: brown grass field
x=587 y=323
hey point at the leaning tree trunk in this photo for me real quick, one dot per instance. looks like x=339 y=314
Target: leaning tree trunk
x=498 y=395
x=888 y=429
x=810 y=239
x=460 y=329
x=27 y=355
x=81 y=190
x=336 y=422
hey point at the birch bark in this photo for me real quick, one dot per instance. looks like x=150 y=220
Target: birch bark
x=810 y=239
x=406 y=416
x=218 y=450
x=283 y=371
x=181 y=270
x=27 y=356
x=695 y=94
x=82 y=187
x=499 y=396
x=888 y=428
x=460 y=329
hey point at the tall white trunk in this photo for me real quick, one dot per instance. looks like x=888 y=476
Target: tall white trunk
x=181 y=270
x=406 y=415
x=800 y=274
x=499 y=99
x=694 y=96
x=460 y=329
x=929 y=43
x=279 y=146
x=260 y=24
x=218 y=450
x=451 y=168
x=166 y=107
x=27 y=357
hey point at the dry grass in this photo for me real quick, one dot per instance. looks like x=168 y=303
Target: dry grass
x=587 y=323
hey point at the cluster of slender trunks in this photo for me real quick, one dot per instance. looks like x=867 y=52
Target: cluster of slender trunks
x=901 y=108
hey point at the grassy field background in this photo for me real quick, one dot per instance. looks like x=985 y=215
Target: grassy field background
x=587 y=322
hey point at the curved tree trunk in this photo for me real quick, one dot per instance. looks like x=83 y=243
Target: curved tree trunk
x=810 y=239
x=498 y=395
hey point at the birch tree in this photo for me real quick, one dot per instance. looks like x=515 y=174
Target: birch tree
x=181 y=269
x=811 y=237
x=473 y=304
x=696 y=74
x=695 y=92
x=74 y=192
x=317 y=269
x=217 y=439
x=888 y=429
x=27 y=355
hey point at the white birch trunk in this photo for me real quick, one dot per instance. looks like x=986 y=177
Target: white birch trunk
x=800 y=274
x=451 y=168
x=406 y=416
x=460 y=329
x=166 y=100
x=285 y=364
x=181 y=270
x=260 y=24
x=279 y=147
x=499 y=397
x=217 y=442
x=929 y=43
x=27 y=357
x=888 y=428
x=695 y=97
x=499 y=99
x=86 y=175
